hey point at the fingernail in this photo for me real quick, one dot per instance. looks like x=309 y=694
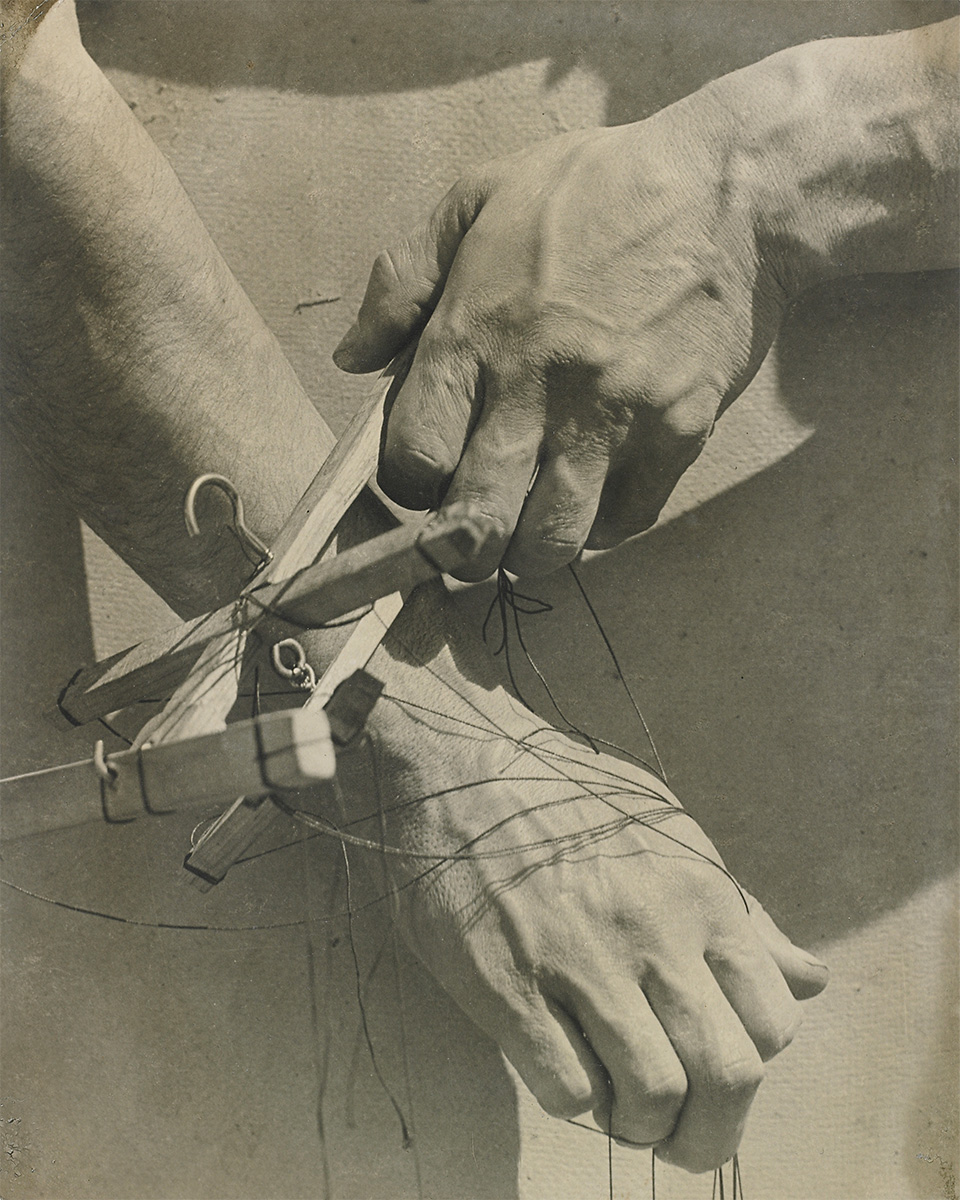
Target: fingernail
x=345 y=355
x=813 y=960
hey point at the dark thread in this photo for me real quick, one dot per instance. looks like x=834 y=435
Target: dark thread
x=121 y=920
x=405 y=1134
x=116 y=732
x=509 y=601
x=616 y=665
x=270 y=610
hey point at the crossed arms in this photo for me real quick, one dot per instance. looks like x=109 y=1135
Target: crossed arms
x=638 y=982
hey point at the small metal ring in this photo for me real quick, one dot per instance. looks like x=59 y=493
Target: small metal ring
x=280 y=666
x=301 y=674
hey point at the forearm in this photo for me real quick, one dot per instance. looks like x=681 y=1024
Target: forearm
x=132 y=360
x=848 y=153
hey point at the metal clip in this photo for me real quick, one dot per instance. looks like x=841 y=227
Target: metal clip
x=248 y=539
x=301 y=674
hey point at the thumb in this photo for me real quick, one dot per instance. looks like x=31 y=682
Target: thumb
x=805 y=975
x=406 y=283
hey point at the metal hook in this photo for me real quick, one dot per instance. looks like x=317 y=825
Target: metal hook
x=247 y=537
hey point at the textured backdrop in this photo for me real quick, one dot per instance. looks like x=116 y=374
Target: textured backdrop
x=789 y=628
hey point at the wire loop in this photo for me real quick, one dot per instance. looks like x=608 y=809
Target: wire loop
x=301 y=674
x=107 y=771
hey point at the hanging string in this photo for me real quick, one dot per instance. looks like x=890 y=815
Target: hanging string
x=509 y=600
x=404 y=1131
x=488 y=726
x=270 y=610
x=122 y=920
x=510 y=604
x=610 y=1148
x=110 y=729
x=619 y=670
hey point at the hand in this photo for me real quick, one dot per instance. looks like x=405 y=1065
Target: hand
x=588 y=925
x=585 y=309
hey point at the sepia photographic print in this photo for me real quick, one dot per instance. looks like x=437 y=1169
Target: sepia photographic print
x=479 y=600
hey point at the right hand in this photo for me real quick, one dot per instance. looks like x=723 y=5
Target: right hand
x=585 y=309
x=589 y=926
x=588 y=306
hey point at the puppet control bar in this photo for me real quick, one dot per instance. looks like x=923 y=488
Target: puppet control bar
x=292 y=748
x=393 y=562
x=272 y=753
x=170 y=767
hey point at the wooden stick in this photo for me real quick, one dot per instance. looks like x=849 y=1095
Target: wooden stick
x=359 y=648
x=149 y=670
x=158 y=664
x=303 y=537
x=395 y=561
x=333 y=489
x=290 y=748
x=201 y=703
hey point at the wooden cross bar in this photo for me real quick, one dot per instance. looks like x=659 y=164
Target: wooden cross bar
x=393 y=562
x=202 y=658
x=291 y=748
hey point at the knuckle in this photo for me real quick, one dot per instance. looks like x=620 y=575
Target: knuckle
x=418 y=462
x=651 y=1111
x=466 y=195
x=666 y=1092
x=739 y=1076
x=541 y=553
x=562 y=1099
x=690 y=1158
x=442 y=338
x=412 y=478
x=686 y=423
x=421 y=440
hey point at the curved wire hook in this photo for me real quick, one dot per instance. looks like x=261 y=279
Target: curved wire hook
x=246 y=535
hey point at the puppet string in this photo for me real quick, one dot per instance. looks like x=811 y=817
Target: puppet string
x=544 y=754
x=510 y=604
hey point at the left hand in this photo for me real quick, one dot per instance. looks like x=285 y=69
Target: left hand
x=570 y=907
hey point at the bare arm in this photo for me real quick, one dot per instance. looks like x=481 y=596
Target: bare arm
x=586 y=308
x=848 y=154
x=134 y=362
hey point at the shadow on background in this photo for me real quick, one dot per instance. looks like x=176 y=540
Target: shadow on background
x=792 y=642
x=648 y=54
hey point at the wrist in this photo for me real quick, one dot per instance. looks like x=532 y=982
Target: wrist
x=846 y=154
x=434 y=665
